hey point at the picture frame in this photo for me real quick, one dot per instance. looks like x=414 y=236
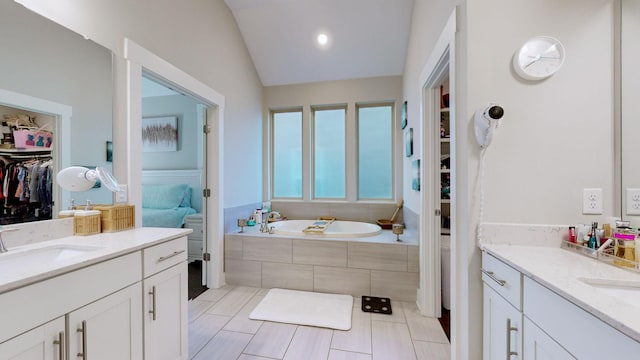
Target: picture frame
x=160 y=134
x=408 y=143
x=415 y=175
x=403 y=120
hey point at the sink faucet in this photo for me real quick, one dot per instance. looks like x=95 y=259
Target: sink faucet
x=3 y=249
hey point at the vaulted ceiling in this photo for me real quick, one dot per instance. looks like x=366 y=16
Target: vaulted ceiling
x=366 y=38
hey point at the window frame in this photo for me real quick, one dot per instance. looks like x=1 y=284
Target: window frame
x=271 y=167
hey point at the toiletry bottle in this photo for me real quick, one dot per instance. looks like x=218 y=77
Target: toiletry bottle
x=593 y=237
x=257 y=216
x=572 y=234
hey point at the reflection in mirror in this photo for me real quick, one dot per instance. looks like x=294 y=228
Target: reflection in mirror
x=630 y=110
x=51 y=65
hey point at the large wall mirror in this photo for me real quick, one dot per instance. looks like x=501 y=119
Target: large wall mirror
x=630 y=110
x=42 y=60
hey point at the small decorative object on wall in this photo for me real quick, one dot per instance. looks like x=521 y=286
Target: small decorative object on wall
x=404 y=115
x=160 y=134
x=109 y=151
x=415 y=178
x=408 y=143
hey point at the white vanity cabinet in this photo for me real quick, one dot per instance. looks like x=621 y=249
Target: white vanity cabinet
x=165 y=304
x=537 y=345
x=502 y=326
x=109 y=328
x=46 y=342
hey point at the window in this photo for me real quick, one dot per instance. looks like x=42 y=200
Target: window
x=375 y=151
x=287 y=154
x=329 y=153
x=333 y=154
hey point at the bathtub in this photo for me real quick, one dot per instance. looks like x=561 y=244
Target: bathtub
x=337 y=229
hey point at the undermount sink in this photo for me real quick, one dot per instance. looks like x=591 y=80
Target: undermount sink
x=18 y=259
x=624 y=290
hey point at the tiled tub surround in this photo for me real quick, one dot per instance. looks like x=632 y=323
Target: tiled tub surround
x=534 y=250
x=377 y=265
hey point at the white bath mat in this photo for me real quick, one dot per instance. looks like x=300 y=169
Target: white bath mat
x=305 y=308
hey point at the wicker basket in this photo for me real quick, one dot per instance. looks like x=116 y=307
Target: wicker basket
x=116 y=217
x=86 y=224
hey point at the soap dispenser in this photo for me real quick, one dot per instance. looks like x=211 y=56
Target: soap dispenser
x=70 y=212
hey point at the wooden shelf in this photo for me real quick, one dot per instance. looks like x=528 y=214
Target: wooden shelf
x=445 y=201
x=445 y=140
x=444 y=109
x=23 y=151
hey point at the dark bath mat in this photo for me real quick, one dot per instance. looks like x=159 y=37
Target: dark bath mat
x=376 y=305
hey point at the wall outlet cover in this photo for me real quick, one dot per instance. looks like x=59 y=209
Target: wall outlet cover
x=632 y=201
x=592 y=201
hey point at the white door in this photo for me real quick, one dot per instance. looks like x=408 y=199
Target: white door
x=165 y=314
x=45 y=342
x=502 y=328
x=110 y=328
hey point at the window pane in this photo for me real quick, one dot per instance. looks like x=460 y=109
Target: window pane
x=375 y=152
x=287 y=154
x=329 y=153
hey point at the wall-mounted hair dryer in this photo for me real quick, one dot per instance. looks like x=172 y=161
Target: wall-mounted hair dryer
x=484 y=120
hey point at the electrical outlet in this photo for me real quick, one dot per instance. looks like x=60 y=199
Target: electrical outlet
x=592 y=201
x=633 y=201
x=121 y=196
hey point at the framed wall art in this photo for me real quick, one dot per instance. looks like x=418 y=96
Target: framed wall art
x=408 y=143
x=160 y=134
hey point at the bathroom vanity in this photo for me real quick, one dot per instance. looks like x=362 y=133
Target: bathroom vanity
x=107 y=296
x=544 y=302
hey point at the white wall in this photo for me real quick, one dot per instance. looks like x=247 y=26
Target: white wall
x=557 y=135
x=42 y=59
x=201 y=38
x=186 y=157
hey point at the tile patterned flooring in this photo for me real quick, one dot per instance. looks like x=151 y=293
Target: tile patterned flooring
x=220 y=328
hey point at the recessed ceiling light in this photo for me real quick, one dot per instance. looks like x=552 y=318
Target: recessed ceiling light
x=323 y=39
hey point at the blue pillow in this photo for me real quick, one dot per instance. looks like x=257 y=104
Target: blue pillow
x=165 y=196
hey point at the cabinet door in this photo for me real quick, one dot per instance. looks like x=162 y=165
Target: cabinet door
x=501 y=327
x=110 y=328
x=45 y=342
x=165 y=314
x=540 y=346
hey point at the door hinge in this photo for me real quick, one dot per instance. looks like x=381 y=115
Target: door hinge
x=206 y=192
x=438 y=212
x=206 y=256
x=206 y=129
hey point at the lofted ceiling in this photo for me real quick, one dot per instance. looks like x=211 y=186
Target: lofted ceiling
x=367 y=38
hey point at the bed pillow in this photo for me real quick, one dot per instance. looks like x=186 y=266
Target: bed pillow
x=164 y=196
x=186 y=201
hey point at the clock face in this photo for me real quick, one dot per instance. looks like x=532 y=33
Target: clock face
x=538 y=58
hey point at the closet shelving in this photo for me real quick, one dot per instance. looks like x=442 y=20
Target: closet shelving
x=445 y=170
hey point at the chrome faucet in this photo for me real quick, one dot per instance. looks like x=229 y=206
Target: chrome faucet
x=3 y=249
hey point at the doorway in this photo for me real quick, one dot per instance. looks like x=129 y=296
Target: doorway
x=139 y=61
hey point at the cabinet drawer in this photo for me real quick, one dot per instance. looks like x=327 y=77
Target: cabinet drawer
x=504 y=279
x=163 y=256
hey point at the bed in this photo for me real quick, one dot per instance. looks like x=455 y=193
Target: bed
x=167 y=197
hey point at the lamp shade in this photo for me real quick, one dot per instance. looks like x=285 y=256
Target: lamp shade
x=80 y=178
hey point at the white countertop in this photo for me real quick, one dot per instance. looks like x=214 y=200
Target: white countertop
x=110 y=245
x=560 y=271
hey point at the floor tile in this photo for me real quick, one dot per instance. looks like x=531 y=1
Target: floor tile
x=309 y=343
x=197 y=307
x=358 y=339
x=347 y=355
x=391 y=341
x=233 y=301
x=423 y=328
x=214 y=294
x=241 y=322
x=432 y=351
x=203 y=329
x=252 y=357
x=271 y=340
x=226 y=345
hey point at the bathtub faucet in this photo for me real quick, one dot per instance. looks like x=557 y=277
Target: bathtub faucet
x=264 y=225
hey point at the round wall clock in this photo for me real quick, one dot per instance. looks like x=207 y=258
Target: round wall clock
x=539 y=58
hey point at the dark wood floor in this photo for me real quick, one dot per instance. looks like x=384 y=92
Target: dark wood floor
x=445 y=322
x=195 y=279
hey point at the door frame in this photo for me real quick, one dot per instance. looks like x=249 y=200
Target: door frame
x=136 y=61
